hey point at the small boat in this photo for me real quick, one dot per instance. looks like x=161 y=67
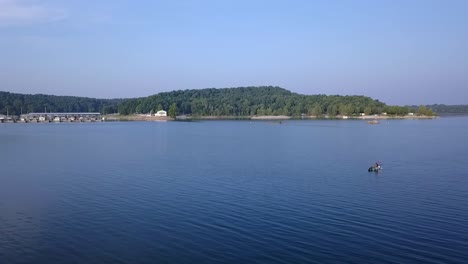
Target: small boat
x=374 y=169
x=373 y=122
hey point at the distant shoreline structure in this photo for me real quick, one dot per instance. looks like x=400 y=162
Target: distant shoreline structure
x=341 y=117
x=143 y=117
x=97 y=117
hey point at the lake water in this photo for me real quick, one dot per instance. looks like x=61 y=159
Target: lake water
x=234 y=192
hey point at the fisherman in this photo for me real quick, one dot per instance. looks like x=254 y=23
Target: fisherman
x=377 y=166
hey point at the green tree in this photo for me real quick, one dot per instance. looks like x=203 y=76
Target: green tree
x=430 y=112
x=332 y=110
x=317 y=110
x=422 y=110
x=367 y=110
x=159 y=107
x=173 y=110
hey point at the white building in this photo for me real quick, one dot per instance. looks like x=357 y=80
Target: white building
x=161 y=113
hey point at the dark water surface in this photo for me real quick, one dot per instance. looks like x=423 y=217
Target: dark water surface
x=234 y=192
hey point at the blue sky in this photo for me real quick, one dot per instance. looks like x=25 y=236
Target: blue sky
x=400 y=52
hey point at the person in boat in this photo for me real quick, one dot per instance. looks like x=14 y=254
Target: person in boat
x=377 y=166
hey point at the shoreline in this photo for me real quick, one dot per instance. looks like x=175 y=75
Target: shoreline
x=147 y=118
x=264 y=117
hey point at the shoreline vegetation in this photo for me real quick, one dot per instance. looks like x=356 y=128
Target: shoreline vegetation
x=242 y=103
x=144 y=118
x=259 y=118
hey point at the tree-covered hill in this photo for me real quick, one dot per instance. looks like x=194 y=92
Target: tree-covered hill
x=242 y=101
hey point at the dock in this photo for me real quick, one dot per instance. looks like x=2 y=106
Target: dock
x=52 y=118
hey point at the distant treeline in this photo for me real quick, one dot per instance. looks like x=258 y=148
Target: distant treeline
x=448 y=109
x=242 y=101
x=16 y=104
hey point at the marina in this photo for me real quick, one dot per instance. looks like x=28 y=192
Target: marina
x=52 y=117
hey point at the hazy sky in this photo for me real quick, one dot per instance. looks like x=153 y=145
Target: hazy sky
x=400 y=52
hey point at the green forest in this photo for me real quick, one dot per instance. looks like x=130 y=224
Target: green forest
x=16 y=104
x=249 y=101
x=242 y=101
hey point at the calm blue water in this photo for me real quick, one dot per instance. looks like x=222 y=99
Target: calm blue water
x=234 y=192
